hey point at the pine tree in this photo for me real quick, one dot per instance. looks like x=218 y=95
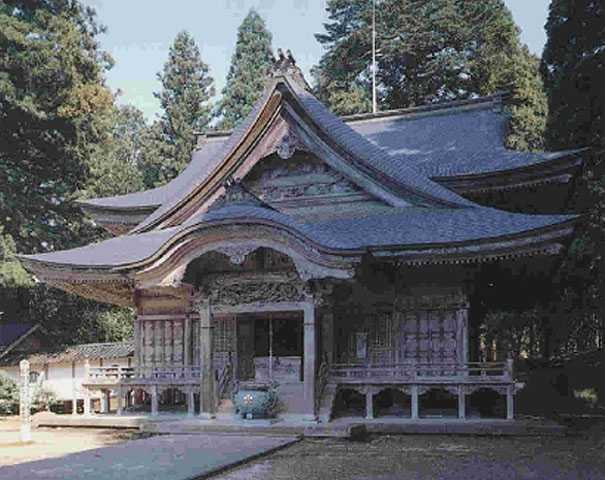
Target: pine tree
x=115 y=164
x=247 y=75
x=573 y=66
x=55 y=114
x=429 y=51
x=186 y=91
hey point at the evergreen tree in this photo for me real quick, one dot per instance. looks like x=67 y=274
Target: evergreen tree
x=115 y=165
x=186 y=91
x=573 y=66
x=55 y=114
x=429 y=51
x=247 y=75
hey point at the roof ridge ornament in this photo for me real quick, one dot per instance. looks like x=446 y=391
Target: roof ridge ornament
x=284 y=65
x=236 y=193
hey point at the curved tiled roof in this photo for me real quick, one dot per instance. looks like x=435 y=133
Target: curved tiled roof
x=437 y=141
x=392 y=227
x=202 y=161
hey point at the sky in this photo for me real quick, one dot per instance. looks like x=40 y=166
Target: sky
x=140 y=33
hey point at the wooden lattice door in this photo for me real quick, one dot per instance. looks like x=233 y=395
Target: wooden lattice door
x=245 y=349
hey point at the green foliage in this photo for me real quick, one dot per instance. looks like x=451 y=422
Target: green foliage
x=9 y=396
x=53 y=105
x=43 y=398
x=110 y=325
x=186 y=91
x=430 y=51
x=115 y=164
x=61 y=138
x=250 y=65
x=573 y=66
x=12 y=274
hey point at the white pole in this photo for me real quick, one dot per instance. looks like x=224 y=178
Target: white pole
x=270 y=347
x=24 y=402
x=374 y=68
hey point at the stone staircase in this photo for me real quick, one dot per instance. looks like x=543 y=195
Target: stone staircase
x=326 y=404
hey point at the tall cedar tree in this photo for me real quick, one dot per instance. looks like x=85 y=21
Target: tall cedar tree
x=54 y=114
x=185 y=98
x=430 y=51
x=249 y=67
x=573 y=66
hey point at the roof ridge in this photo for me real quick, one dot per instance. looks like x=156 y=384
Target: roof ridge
x=430 y=109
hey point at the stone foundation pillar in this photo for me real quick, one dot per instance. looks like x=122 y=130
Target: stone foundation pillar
x=154 y=401
x=310 y=342
x=510 y=402
x=190 y=404
x=415 y=409
x=207 y=380
x=104 y=402
x=120 y=399
x=369 y=404
x=461 y=402
x=24 y=402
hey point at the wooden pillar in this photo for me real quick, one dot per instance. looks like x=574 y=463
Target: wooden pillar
x=25 y=434
x=74 y=390
x=190 y=403
x=415 y=410
x=187 y=342
x=327 y=336
x=369 y=403
x=461 y=402
x=310 y=346
x=137 y=341
x=154 y=401
x=510 y=402
x=86 y=391
x=207 y=387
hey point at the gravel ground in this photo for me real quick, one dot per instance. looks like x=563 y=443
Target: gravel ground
x=580 y=456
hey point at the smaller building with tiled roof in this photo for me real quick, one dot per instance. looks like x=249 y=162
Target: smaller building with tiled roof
x=64 y=370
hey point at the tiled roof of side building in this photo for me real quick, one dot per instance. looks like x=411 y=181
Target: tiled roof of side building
x=461 y=140
x=92 y=351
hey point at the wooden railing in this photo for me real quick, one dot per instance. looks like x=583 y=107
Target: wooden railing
x=168 y=373
x=418 y=372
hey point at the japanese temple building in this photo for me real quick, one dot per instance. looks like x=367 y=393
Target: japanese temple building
x=329 y=255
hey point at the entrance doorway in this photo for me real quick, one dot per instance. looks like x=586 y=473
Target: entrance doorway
x=270 y=347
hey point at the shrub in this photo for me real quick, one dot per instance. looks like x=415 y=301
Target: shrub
x=43 y=398
x=9 y=396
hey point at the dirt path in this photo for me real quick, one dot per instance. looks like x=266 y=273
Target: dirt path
x=53 y=442
x=577 y=457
